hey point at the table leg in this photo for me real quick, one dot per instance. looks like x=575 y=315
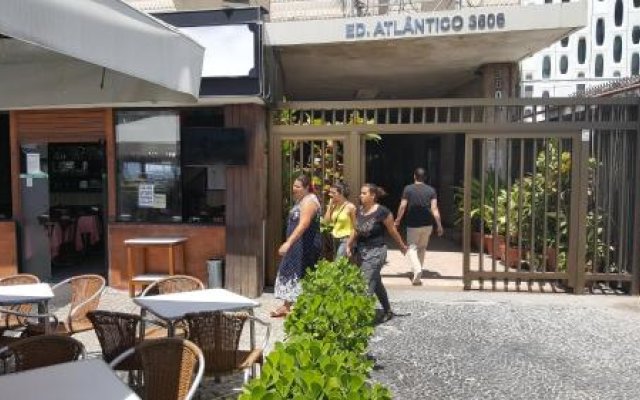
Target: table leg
x=130 y=270
x=252 y=340
x=43 y=309
x=172 y=260
x=171 y=329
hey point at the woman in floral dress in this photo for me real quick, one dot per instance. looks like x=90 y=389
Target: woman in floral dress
x=302 y=248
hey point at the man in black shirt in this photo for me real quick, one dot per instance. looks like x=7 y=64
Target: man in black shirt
x=420 y=203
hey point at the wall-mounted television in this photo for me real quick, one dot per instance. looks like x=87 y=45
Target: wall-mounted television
x=202 y=146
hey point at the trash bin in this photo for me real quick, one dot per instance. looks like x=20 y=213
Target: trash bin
x=215 y=269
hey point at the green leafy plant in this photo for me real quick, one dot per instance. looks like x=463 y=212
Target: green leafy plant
x=334 y=306
x=305 y=368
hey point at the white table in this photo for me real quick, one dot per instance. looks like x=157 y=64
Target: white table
x=39 y=293
x=173 y=307
x=78 y=380
x=23 y=294
x=139 y=275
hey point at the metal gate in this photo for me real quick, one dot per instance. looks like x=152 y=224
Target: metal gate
x=550 y=209
x=321 y=160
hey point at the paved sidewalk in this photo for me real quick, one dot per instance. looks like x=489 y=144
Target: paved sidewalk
x=487 y=345
x=443 y=266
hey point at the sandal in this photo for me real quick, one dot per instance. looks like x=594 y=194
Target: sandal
x=279 y=312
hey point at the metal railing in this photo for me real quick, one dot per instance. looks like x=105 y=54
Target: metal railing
x=295 y=10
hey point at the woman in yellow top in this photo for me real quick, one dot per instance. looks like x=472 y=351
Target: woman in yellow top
x=341 y=214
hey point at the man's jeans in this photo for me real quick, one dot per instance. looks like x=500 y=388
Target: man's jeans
x=418 y=240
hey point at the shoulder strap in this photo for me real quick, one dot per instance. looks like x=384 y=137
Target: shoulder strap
x=338 y=213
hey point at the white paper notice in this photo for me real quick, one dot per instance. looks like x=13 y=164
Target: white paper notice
x=159 y=201
x=33 y=163
x=145 y=195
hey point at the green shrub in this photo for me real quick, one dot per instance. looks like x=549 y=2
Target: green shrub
x=305 y=368
x=334 y=306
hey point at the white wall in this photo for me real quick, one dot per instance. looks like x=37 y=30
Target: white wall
x=561 y=85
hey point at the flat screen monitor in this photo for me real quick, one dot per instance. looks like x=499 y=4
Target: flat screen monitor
x=213 y=146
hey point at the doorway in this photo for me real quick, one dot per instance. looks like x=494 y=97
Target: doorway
x=390 y=163
x=63 y=194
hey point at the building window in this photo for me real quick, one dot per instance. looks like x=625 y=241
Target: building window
x=580 y=74
x=528 y=76
x=564 y=64
x=546 y=67
x=618 y=13
x=148 y=165
x=599 y=67
x=635 y=35
x=171 y=164
x=600 y=32
x=528 y=91
x=5 y=168
x=564 y=42
x=617 y=49
x=636 y=3
x=545 y=94
x=548 y=1
x=635 y=64
x=580 y=88
x=582 y=50
x=616 y=74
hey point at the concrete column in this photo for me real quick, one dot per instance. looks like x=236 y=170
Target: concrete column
x=500 y=80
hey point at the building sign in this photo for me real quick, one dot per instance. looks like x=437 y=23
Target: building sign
x=411 y=26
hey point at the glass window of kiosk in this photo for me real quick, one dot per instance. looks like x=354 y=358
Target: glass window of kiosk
x=172 y=164
x=5 y=168
x=148 y=166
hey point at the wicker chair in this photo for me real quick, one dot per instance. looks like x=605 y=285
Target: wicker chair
x=116 y=332
x=85 y=296
x=173 y=284
x=40 y=351
x=12 y=321
x=172 y=368
x=218 y=335
x=170 y=284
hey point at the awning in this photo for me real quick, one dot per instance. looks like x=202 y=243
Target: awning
x=90 y=52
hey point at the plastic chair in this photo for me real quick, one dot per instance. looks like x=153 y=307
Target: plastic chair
x=172 y=368
x=218 y=335
x=85 y=296
x=40 y=351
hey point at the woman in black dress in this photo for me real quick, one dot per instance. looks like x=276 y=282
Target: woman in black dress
x=302 y=248
x=372 y=220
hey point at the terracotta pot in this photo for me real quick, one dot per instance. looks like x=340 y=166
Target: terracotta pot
x=512 y=255
x=476 y=240
x=489 y=243
x=552 y=259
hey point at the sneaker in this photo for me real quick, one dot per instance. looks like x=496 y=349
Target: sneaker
x=386 y=316
x=416 y=279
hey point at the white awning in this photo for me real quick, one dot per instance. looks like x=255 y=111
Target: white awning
x=90 y=52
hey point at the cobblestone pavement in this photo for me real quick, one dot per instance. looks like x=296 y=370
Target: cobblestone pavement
x=485 y=345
